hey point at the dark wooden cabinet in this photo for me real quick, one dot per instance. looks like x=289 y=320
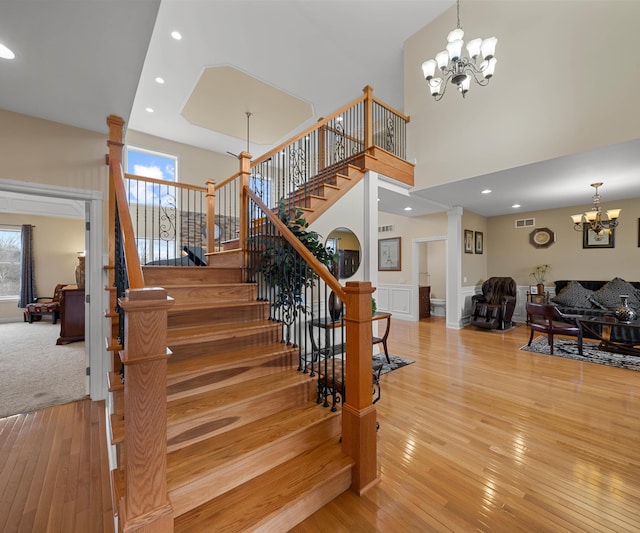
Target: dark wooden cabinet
x=71 y=315
x=425 y=302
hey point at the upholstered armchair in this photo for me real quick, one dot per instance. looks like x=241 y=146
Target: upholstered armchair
x=45 y=306
x=494 y=308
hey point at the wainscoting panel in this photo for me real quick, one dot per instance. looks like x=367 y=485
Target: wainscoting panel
x=399 y=300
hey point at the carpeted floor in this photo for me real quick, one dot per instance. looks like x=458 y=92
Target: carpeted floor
x=396 y=362
x=34 y=371
x=569 y=349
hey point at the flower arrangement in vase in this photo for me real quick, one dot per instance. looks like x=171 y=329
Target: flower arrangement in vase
x=539 y=274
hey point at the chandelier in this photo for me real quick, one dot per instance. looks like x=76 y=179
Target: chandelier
x=593 y=219
x=458 y=69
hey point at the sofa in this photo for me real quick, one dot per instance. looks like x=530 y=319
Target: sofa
x=599 y=298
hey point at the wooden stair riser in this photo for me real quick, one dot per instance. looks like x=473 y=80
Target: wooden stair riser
x=201 y=380
x=207 y=420
x=230 y=258
x=205 y=341
x=167 y=276
x=214 y=293
x=247 y=312
x=278 y=499
x=243 y=467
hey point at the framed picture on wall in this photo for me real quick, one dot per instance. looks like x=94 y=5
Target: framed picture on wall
x=468 y=241
x=479 y=242
x=389 y=251
x=590 y=238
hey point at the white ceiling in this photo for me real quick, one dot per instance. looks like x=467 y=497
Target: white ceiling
x=77 y=62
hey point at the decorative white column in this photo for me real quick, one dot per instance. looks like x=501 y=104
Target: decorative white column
x=454 y=268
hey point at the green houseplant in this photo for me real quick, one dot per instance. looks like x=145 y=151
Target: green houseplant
x=282 y=267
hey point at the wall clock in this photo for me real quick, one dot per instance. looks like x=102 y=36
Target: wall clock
x=542 y=238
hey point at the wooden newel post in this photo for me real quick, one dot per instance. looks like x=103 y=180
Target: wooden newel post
x=146 y=506
x=211 y=216
x=245 y=170
x=358 y=411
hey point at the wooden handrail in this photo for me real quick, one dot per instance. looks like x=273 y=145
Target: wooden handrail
x=166 y=183
x=306 y=132
x=302 y=250
x=391 y=109
x=228 y=180
x=134 y=270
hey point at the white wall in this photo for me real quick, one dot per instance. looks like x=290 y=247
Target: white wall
x=566 y=81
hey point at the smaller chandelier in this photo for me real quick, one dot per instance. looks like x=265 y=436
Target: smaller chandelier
x=458 y=69
x=594 y=219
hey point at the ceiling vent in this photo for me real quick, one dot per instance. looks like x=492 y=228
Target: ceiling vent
x=525 y=223
x=383 y=229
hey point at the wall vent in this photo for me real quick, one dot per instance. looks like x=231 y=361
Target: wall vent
x=382 y=229
x=525 y=223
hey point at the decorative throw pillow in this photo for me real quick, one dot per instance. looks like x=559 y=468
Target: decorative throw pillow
x=574 y=295
x=608 y=296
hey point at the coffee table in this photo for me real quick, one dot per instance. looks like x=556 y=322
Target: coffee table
x=600 y=327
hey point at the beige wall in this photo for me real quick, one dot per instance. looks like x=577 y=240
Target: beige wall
x=564 y=84
x=511 y=254
x=474 y=266
x=40 y=151
x=409 y=229
x=195 y=165
x=56 y=242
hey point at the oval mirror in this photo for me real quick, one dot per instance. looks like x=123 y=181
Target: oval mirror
x=345 y=243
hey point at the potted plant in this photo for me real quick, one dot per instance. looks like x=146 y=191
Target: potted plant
x=282 y=266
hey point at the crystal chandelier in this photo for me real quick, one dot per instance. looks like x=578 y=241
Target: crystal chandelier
x=457 y=68
x=593 y=219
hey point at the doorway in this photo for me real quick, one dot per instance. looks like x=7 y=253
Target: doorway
x=40 y=196
x=430 y=270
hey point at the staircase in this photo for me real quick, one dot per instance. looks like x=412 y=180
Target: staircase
x=248 y=446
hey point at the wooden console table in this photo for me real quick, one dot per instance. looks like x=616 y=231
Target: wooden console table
x=328 y=324
x=71 y=315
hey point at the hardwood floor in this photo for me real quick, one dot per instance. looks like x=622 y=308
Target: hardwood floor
x=54 y=473
x=480 y=436
x=476 y=435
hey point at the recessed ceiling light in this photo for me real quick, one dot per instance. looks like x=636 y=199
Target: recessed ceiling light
x=149 y=109
x=6 y=53
x=516 y=206
x=408 y=208
x=378 y=199
x=176 y=35
x=160 y=80
x=486 y=191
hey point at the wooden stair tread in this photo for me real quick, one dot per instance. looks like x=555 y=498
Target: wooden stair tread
x=277 y=499
x=194 y=334
x=114 y=381
x=192 y=406
x=178 y=365
x=117 y=428
x=186 y=465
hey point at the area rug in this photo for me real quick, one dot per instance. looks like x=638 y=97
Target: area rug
x=36 y=373
x=396 y=362
x=569 y=349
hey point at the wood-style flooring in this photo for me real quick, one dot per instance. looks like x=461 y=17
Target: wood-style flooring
x=476 y=435
x=54 y=473
x=480 y=436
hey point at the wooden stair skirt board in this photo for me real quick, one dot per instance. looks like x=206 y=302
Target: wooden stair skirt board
x=248 y=446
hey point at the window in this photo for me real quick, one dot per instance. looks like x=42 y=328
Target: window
x=149 y=164
x=10 y=250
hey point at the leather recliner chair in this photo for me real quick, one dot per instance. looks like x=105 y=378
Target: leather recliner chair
x=494 y=308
